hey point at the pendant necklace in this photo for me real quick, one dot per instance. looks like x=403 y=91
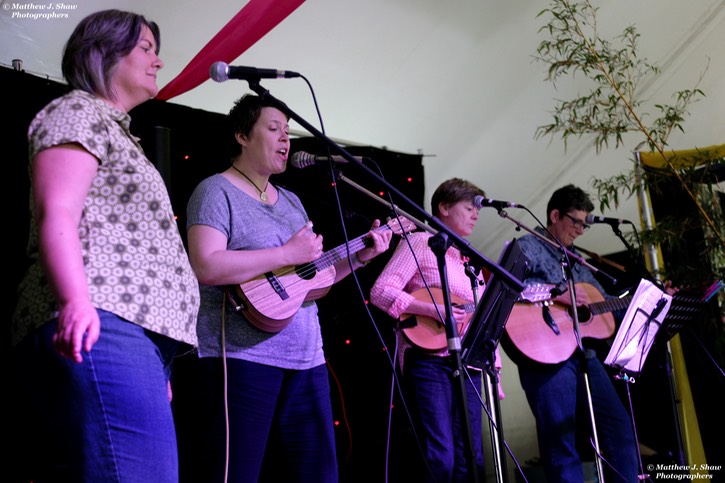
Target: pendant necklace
x=262 y=193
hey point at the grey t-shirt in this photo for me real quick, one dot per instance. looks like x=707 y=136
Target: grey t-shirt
x=250 y=224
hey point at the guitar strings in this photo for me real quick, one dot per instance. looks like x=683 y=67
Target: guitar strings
x=309 y=268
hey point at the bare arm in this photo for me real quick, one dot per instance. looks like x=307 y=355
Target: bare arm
x=62 y=176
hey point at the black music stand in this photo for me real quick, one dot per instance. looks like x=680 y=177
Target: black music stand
x=489 y=319
x=482 y=336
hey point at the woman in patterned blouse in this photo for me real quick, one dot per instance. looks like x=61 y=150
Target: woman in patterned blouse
x=109 y=293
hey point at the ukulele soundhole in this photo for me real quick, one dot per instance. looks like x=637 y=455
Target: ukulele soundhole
x=306 y=271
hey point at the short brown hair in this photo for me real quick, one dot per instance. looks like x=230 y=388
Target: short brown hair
x=97 y=44
x=452 y=191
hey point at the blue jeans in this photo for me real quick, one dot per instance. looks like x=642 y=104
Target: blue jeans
x=107 y=418
x=557 y=395
x=434 y=398
x=280 y=423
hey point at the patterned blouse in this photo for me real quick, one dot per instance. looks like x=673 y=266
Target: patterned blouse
x=135 y=262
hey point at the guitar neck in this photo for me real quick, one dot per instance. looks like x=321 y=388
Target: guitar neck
x=680 y=304
x=610 y=305
x=338 y=253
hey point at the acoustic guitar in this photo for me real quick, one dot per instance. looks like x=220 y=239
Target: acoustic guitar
x=534 y=332
x=271 y=300
x=429 y=334
x=545 y=332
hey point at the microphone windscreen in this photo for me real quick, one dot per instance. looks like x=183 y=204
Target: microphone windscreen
x=301 y=159
x=218 y=71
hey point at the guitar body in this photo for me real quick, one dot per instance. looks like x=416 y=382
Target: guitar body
x=426 y=333
x=271 y=311
x=528 y=331
x=430 y=335
x=271 y=300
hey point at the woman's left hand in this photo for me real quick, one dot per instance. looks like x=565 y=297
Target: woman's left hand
x=381 y=242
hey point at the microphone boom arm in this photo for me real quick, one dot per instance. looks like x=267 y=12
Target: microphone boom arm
x=573 y=256
x=372 y=195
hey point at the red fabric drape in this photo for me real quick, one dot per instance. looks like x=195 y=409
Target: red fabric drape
x=252 y=22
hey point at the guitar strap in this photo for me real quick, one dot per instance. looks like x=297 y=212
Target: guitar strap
x=229 y=295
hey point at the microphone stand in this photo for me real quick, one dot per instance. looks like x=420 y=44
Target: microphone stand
x=463 y=245
x=636 y=255
x=439 y=244
x=568 y=277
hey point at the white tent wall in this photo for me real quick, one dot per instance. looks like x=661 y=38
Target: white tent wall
x=457 y=84
x=455 y=81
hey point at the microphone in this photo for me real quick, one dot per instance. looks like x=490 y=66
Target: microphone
x=591 y=220
x=221 y=71
x=301 y=159
x=481 y=202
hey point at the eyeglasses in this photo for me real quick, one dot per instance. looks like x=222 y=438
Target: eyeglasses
x=577 y=223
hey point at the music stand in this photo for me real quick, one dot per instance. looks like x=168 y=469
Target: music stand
x=652 y=315
x=487 y=323
x=485 y=329
x=645 y=315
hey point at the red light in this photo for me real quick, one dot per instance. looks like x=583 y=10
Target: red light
x=332 y=184
x=347 y=341
x=336 y=423
x=186 y=156
x=410 y=180
x=382 y=193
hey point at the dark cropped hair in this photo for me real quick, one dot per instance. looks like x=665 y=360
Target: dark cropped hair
x=568 y=198
x=243 y=116
x=97 y=44
x=452 y=191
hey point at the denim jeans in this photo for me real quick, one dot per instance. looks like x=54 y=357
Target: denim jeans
x=105 y=419
x=280 y=423
x=557 y=397
x=434 y=397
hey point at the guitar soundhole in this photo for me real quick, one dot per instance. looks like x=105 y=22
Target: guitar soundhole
x=584 y=314
x=306 y=271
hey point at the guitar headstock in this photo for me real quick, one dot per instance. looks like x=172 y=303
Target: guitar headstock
x=536 y=293
x=400 y=225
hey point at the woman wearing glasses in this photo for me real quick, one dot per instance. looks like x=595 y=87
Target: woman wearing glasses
x=556 y=392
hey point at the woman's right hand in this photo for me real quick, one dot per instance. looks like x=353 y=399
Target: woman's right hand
x=304 y=246
x=459 y=314
x=78 y=328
